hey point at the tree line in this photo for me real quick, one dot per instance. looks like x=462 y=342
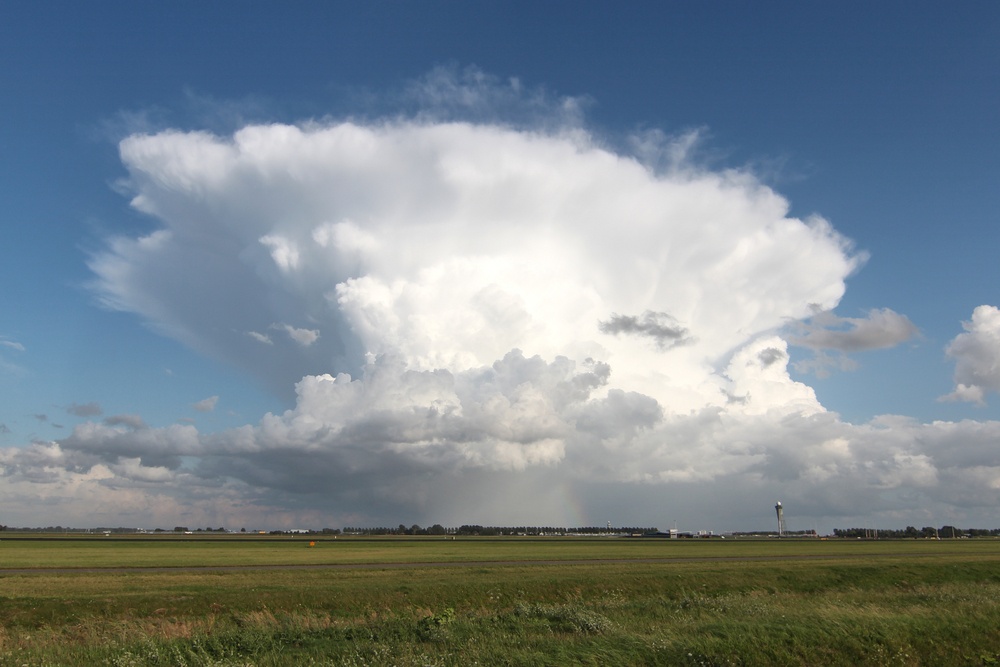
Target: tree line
x=487 y=531
x=927 y=532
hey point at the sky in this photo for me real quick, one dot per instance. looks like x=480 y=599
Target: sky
x=507 y=263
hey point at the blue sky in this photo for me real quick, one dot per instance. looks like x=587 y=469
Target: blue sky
x=881 y=121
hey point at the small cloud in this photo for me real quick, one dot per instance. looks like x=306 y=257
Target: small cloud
x=41 y=417
x=12 y=344
x=304 y=337
x=966 y=393
x=977 y=357
x=260 y=338
x=168 y=372
x=771 y=355
x=879 y=329
x=453 y=92
x=661 y=327
x=206 y=405
x=283 y=251
x=3 y=428
x=132 y=421
x=91 y=409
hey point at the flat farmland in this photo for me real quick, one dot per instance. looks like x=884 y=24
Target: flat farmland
x=508 y=601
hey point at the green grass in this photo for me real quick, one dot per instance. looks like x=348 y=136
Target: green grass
x=890 y=603
x=236 y=550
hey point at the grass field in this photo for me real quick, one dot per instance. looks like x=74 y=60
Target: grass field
x=504 y=601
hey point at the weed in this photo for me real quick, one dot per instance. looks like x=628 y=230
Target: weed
x=568 y=617
x=434 y=628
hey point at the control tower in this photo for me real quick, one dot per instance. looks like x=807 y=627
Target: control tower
x=781 y=519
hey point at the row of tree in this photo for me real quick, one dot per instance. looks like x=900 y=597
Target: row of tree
x=914 y=533
x=436 y=529
x=467 y=529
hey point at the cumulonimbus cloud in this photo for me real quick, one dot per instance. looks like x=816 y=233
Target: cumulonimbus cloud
x=477 y=317
x=451 y=244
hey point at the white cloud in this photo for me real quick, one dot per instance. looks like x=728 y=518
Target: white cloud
x=304 y=337
x=260 y=338
x=977 y=357
x=283 y=251
x=6 y=367
x=453 y=93
x=12 y=344
x=506 y=322
x=206 y=405
x=451 y=243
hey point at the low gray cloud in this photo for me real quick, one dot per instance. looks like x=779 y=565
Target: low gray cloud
x=523 y=438
x=131 y=421
x=772 y=355
x=91 y=409
x=662 y=328
x=879 y=329
x=117 y=439
x=833 y=338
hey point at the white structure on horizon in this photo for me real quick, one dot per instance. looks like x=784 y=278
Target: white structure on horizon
x=781 y=519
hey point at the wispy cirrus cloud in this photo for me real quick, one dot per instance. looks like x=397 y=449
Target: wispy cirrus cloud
x=12 y=344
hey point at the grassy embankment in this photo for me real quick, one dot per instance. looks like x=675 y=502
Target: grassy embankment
x=906 y=603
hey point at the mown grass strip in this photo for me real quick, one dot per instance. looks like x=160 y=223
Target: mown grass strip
x=174 y=552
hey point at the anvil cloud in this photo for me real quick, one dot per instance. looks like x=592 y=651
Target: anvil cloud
x=479 y=318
